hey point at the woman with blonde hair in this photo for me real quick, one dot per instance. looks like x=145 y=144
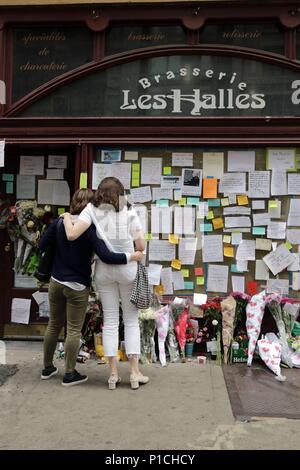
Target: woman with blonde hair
x=117 y=223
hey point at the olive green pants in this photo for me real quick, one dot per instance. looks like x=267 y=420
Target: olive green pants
x=65 y=303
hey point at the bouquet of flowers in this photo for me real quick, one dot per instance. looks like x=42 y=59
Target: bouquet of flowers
x=213 y=322
x=147 y=319
x=228 y=313
x=274 y=305
x=189 y=333
x=171 y=342
x=239 y=324
x=180 y=330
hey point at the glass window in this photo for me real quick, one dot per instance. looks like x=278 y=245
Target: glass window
x=121 y=38
x=42 y=53
x=265 y=36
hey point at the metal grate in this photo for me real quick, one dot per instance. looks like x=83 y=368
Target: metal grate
x=255 y=391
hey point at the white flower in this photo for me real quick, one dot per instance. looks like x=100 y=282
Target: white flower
x=147 y=314
x=215 y=322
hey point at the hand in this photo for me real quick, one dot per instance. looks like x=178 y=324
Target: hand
x=65 y=213
x=137 y=256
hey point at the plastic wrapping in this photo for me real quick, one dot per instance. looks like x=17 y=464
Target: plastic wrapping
x=228 y=306
x=162 y=325
x=180 y=329
x=255 y=312
x=270 y=353
x=276 y=311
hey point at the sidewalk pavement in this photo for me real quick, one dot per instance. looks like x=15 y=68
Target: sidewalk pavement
x=184 y=406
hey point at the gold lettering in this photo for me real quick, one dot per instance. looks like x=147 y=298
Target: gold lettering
x=145 y=37
x=238 y=34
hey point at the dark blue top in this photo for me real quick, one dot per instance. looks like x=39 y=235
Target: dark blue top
x=72 y=260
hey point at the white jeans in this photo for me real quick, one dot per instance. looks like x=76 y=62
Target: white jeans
x=115 y=282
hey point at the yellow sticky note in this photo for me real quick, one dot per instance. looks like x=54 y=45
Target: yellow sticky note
x=218 y=223
x=228 y=251
x=159 y=289
x=135 y=174
x=176 y=263
x=227 y=238
x=61 y=210
x=174 y=239
x=83 y=180
x=167 y=170
x=200 y=280
x=273 y=204
x=288 y=245
x=210 y=215
x=182 y=201
x=242 y=200
x=148 y=236
x=225 y=201
x=185 y=272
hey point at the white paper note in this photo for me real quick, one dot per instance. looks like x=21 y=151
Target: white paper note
x=199 y=299
x=258 y=205
x=55 y=174
x=296 y=281
x=261 y=271
x=281 y=158
x=167 y=280
x=161 y=250
x=161 y=193
x=236 y=238
x=178 y=280
x=295 y=265
x=25 y=187
x=294 y=213
x=293 y=236
x=142 y=194
x=238 y=283
x=182 y=159
x=184 y=220
x=261 y=219
x=278 y=183
x=187 y=250
x=246 y=250
x=294 y=183
x=217 y=279
x=57 y=161
x=279 y=259
x=100 y=171
x=231 y=222
x=241 y=160
x=20 y=311
x=154 y=272
x=2 y=153
x=259 y=184
x=151 y=170
x=237 y=210
x=53 y=192
x=213 y=164
x=263 y=244
x=233 y=183
x=275 y=212
x=213 y=248
x=279 y=286
x=276 y=230
x=171 y=182
x=122 y=171
x=31 y=165
x=142 y=213
x=131 y=155
x=161 y=219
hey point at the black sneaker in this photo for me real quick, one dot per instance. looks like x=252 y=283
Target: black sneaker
x=73 y=378
x=49 y=372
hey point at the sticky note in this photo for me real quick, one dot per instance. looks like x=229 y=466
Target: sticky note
x=229 y=251
x=192 y=201
x=251 y=287
x=9 y=187
x=224 y=202
x=199 y=271
x=185 y=272
x=227 y=239
x=61 y=210
x=167 y=170
x=148 y=236
x=8 y=177
x=176 y=263
x=182 y=201
x=273 y=204
x=206 y=228
x=83 y=180
x=162 y=203
x=218 y=223
x=135 y=174
x=210 y=215
x=188 y=285
x=174 y=239
x=242 y=200
x=159 y=289
x=288 y=245
x=234 y=268
x=200 y=280
x=214 y=202
x=258 y=231
x=210 y=188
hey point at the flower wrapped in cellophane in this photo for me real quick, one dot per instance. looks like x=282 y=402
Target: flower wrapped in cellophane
x=147 y=323
x=228 y=307
x=274 y=305
x=162 y=325
x=255 y=311
x=242 y=301
x=171 y=342
x=270 y=353
x=180 y=330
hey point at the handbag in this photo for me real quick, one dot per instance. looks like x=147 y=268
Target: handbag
x=141 y=295
x=44 y=269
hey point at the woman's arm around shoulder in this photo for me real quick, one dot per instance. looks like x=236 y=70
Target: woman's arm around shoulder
x=82 y=224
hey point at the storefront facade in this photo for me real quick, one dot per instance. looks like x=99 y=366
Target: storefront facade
x=148 y=82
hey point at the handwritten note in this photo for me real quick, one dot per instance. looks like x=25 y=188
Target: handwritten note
x=31 y=165
x=161 y=250
x=20 y=311
x=217 y=280
x=259 y=184
x=241 y=160
x=212 y=248
x=213 y=164
x=278 y=260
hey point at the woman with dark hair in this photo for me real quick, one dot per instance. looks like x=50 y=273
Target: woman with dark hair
x=69 y=286
x=119 y=226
